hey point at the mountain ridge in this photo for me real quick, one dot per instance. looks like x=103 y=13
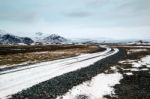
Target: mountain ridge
x=10 y=39
x=55 y=39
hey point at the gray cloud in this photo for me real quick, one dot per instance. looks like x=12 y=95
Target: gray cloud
x=19 y=16
x=79 y=14
x=49 y=14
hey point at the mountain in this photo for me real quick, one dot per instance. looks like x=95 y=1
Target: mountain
x=27 y=40
x=55 y=39
x=6 y=38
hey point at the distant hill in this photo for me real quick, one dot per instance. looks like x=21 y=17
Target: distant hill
x=55 y=39
x=6 y=38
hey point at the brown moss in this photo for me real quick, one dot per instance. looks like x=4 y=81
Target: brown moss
x=39 y=56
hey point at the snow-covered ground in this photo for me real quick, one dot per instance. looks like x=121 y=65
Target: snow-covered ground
x=101 y=84
x=15 y=80
x=145 y=61
x=96 y=88
x=137 y=64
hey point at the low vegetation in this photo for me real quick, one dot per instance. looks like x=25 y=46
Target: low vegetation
x=10 y=55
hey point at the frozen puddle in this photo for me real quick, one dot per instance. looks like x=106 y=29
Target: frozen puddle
x=95 y=89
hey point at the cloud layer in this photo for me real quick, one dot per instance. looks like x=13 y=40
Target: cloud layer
x=77 y=17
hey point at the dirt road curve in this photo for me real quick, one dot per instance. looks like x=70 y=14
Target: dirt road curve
x=15 y=80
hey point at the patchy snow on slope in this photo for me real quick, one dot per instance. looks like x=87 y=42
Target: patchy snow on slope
x=96 y=88
x=143 y=61
x=136 y=50
x=138 y=63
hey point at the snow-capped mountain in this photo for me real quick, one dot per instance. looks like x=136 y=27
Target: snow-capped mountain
x=6 y=38
x=55 y=39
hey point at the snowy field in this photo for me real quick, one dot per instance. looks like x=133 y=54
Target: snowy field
x=103 y=83
x=95 y=89
x=15 y=80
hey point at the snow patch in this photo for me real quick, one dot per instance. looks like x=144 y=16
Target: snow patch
x=126 y=61
x=129 y=73
x=144 y=69
x=136 y=50
x=96 y=88
x=146 y=60
x=137 y=64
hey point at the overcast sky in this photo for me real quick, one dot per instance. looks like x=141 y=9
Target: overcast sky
x=117 y=19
